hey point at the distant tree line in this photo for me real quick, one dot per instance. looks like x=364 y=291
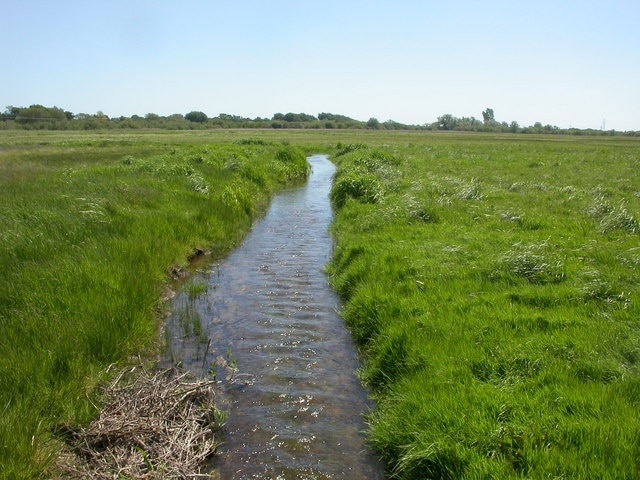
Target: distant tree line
x=54 y=118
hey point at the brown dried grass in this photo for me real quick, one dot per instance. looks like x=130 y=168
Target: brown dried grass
x=152 y=426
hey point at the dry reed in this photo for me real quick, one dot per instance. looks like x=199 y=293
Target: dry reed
x=152 y=426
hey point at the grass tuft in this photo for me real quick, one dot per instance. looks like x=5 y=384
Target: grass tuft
x=533 y=262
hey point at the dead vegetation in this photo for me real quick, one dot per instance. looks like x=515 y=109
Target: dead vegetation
x=152 y=426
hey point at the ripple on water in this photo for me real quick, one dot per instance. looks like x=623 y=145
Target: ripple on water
x=269 y=308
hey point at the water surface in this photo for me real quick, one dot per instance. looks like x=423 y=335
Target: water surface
x=295 y=412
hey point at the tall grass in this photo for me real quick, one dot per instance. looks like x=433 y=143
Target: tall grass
x=492 y=285
x=490 y=282
x=89 y=231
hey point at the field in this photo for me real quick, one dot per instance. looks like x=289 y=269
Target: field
x=490 y=282
x=91 y=228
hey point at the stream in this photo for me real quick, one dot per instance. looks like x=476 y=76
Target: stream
x=294 y=402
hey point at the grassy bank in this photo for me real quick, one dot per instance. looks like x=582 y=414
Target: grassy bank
x=490 y=281
x=90 y=226
x=492 y=285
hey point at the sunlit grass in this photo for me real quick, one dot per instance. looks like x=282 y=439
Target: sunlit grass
x=490 y=282
x=90 y=230
x=493 y=289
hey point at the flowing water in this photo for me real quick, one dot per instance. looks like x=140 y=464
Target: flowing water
x=295 y=407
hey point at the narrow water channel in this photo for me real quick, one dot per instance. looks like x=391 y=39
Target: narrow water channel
x=295 y=409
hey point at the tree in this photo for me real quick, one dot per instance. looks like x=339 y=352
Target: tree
x=10 y=113
x=470 y=124
x=195 y=116
x=336 y=118
x=296 y=117
x=488 y=116
x=39 y=113
x=373 y=123
x=447 y=122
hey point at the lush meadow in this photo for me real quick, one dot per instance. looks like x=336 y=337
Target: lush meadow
x=492 y=284
x=91 y=227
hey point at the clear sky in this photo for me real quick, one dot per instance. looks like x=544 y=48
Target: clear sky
x=566 y=63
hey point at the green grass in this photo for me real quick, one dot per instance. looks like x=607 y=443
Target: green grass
x=490 y=282
x=90 y=228
x=492 y=285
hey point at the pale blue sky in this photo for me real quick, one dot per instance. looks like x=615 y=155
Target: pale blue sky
x=566 y=63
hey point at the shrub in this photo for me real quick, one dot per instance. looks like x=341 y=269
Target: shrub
x=197 y=117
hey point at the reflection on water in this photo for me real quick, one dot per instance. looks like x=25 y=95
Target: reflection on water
x=296 y=413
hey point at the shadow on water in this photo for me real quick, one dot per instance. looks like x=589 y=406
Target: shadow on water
x=295 y=409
